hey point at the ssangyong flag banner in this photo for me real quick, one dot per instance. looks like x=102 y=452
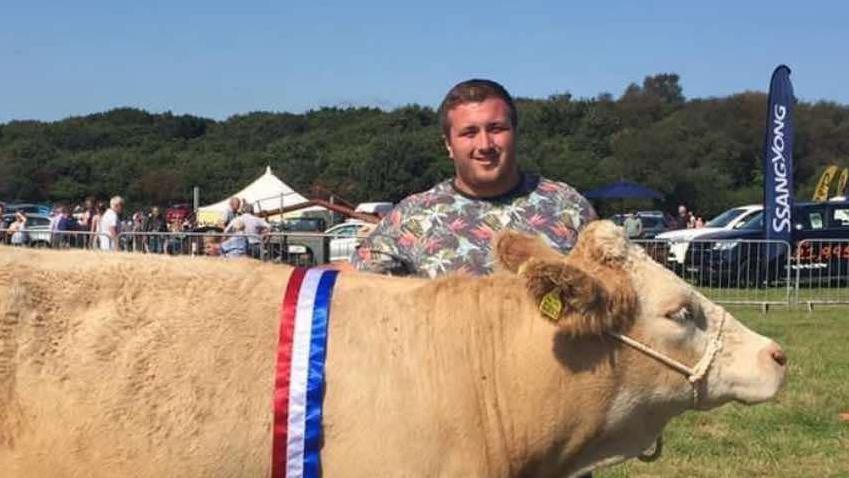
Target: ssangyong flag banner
x=778 y=157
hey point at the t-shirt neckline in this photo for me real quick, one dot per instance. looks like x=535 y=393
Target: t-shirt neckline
x=526 y=184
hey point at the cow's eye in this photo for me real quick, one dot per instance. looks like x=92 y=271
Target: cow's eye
x=681 y=315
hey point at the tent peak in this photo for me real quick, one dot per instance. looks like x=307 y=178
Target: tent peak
x=268 y=170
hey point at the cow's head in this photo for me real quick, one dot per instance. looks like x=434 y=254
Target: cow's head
x=608 y=286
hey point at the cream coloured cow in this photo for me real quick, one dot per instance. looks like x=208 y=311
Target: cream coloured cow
x=130 y=365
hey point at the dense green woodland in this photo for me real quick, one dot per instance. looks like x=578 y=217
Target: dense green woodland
x=702 y=152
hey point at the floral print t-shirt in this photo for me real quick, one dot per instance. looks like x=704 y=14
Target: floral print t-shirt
x=442 y=230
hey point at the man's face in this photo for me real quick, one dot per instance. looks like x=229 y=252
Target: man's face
x=481 y=142
x=234 y=204
x=119 y=208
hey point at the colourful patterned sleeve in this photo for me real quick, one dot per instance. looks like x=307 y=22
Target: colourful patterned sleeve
x=588 y=213
x=383 y=252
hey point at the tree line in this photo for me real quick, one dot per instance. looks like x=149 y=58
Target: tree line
x=706 y=153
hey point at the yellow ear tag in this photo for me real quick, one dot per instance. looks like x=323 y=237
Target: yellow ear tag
x=551 y=305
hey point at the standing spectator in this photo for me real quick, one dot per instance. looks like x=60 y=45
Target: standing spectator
x=232 y=210
x=137 y=224
x=156 y=226
x=59 y=226
x=89 y=211
x=174 y=243
x=110 y=225
x=91 y=217
x=255 y=227
x=633 y=226
x=18 y=229
x=4 y=225
x=685 y=218
x=99 y=211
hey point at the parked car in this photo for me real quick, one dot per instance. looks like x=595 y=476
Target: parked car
x=37 y=229
x=29 y=208
x=303 y=244
x=737 y=258
x=345 y=237
x=679 y=240
x=378 y=209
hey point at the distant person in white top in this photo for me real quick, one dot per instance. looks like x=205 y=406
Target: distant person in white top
x=633 y=226
x=232 y=210
x=255 y=227
x=110 y=225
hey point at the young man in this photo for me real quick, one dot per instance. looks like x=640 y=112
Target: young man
x=449 y=228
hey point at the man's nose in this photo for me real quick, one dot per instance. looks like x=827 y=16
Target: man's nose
x=485 y=141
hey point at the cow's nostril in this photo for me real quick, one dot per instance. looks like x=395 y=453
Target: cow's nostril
x=779 y=357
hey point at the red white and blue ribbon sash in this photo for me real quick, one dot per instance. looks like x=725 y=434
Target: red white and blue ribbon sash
x=299 y=380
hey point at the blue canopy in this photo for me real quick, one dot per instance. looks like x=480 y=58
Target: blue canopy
x=623 y=190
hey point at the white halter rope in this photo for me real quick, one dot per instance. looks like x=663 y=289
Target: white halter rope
x=694 y=375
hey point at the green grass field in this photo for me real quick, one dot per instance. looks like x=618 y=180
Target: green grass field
x=797 y=435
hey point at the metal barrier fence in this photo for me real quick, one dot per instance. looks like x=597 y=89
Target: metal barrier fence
x=75 y=240
x=294 y=248
x=193 y=244
x=822 y=272
x=754 y=272
x=44 y=238
x=308 y=249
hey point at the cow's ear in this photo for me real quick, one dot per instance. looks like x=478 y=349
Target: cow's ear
x=603 y=242
x=512 y=249
x=582 y=303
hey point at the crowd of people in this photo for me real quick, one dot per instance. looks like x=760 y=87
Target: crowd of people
x=104 y=226
x=97 y=225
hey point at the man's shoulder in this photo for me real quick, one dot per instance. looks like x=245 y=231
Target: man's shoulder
x=561 y=192
x=440 y=194
x=551 y=187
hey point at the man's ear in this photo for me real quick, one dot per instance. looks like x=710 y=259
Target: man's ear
x=580 y=302
x=448 y=147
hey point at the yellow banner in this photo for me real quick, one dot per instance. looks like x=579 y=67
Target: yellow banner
x=841 y=183
x=821 y=192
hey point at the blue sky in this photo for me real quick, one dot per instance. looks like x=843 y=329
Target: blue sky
x=216 y=59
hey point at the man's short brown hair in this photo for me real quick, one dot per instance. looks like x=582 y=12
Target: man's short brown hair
x=474 y=91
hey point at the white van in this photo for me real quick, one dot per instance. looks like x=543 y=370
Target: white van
x=679 y=239
x=379 y=209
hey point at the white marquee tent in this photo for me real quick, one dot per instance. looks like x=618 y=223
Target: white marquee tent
x=264 y=193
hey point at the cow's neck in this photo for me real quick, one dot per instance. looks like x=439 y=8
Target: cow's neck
x=545 y=401
x=541 y=399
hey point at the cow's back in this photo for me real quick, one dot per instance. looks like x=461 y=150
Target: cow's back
x=106 y=358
